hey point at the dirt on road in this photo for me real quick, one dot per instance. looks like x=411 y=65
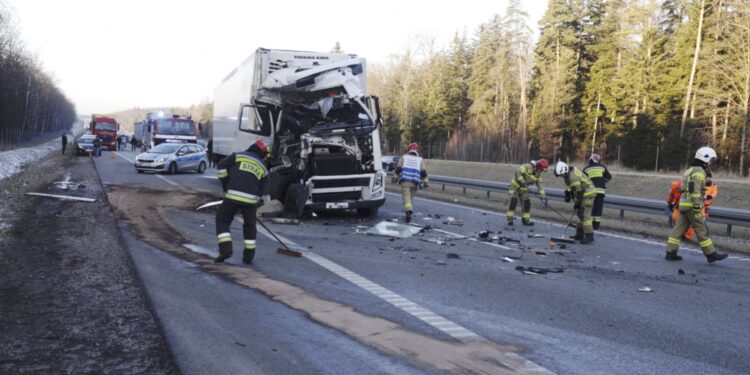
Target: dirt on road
x=70 y=299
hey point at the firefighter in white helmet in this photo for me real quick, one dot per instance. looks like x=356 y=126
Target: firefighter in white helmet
x=691 y=204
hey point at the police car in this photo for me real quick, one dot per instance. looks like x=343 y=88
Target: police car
x=173 y=158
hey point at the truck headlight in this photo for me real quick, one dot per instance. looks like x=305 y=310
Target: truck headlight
x=378 y=183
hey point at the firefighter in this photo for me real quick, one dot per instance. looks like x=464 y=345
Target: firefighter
x=526 y=174
x=691 y=204
x=673 y=199
x=599 y=175
x=582 y=192
x=243 y=176
x=64 y=143
x=412 y=175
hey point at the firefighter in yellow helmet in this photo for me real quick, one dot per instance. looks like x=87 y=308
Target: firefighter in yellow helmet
x=412 y=175
x=691 y=204
x=582 y=192
x=526 y=174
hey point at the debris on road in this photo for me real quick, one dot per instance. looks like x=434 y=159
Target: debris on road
x=209 y=204
x=285 y=220
x=508 y=260
x=484 y=235
x=62 y=197
x=391 y=229
x=680 y=271
x=508 y=239
x=452 y=256
x=645 y=289
x=437 y=241
x=535 y=236
x=441 y=263
x=540 y=270
x=562 y=239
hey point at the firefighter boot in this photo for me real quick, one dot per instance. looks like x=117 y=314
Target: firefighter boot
x=526 y=221
x=408 y=217
x=579 y=234
x=672 y=256
x=247 y=256
x=225 y=252
x=510 y=221
x=587 y=238
x=716 y=256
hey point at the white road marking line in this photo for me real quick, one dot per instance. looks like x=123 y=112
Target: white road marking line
x=641 y=240
x=442 y=324
x=157 y=175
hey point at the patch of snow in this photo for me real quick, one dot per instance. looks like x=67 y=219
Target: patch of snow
x=13 y=161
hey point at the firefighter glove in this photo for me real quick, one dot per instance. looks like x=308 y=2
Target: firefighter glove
x=568 y=196
x=576 y=205
x=668 y=209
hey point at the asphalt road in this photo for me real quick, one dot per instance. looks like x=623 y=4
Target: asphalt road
x=433 y=303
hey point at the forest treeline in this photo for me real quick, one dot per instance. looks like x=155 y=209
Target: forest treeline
x=643 y=82
x=32 y=107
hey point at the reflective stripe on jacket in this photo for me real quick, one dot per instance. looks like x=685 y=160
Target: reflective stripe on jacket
x=599 y=175
x=411 y=171
x=526 y=175
x=243 y=175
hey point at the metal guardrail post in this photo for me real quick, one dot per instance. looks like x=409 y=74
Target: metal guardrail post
x=729 y=230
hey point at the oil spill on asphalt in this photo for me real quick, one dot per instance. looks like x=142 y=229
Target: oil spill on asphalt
x=146 y=213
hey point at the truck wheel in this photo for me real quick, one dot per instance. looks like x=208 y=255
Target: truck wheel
x=201 y=167
x=172 y=168
x=367 y=212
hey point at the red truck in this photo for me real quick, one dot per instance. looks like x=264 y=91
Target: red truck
x=106 y=129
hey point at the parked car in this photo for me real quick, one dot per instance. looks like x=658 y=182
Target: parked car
x=390 y=162
x=85 y=144
x=172 y=158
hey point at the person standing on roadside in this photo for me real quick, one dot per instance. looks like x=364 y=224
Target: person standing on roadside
x=97 y=146
x=599 y=175
x=64 y=143
x=243 y=176
x=412 y=175
x=210 y=150
x=132 y=143
x=691 y=204
x=526 y=174
x=119 y=143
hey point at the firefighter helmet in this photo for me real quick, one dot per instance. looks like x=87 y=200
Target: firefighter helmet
x=541 y=165
x=596 y=158
x=260 y=147
x=705 y=154
x=561 y=169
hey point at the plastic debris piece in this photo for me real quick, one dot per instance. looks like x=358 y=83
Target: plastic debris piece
x=426 y=218
x=563 y=246
x=552 y=245
x=441 y=263
x=535 y=236
x=645 y=289
x=541 y=253
x=681 y=271
x=284 y=220
x=508 y=260
x=540 y=270
x=508 y=239
x=390 y=229
x=452 y=256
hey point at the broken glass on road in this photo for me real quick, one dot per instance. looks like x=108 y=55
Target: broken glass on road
x=390 y=229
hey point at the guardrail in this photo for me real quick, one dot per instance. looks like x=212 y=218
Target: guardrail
x=720 y=215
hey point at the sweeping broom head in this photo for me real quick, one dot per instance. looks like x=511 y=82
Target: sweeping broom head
x=289 y=252
x=562 y=240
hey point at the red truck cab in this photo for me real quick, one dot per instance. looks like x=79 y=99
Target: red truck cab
x=106 y=129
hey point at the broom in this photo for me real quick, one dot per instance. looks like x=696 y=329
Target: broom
x=562 y=237
x=281 y=250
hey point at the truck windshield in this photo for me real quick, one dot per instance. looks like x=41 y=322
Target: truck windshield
x=175 y=127
x=107 y=126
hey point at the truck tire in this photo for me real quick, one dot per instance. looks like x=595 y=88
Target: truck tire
x=367 y=212
x=202 y=167
x=172 y=168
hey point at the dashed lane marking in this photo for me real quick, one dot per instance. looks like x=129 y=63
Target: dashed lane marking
x=613 y=235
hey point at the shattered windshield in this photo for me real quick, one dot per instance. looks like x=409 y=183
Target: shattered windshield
x=175 y=127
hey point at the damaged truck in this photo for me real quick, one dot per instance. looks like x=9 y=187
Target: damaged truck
x=313 y=110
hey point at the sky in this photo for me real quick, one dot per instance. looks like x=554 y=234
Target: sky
x=110 y=55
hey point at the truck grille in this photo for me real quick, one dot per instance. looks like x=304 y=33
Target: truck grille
x=344 y=182
x=336 y=197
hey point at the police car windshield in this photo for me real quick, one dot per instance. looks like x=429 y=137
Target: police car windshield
x=165 y=148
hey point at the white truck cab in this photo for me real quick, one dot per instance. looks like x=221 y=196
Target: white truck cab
x=313 y=111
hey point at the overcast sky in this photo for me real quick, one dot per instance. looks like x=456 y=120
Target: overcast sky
x=109 y=55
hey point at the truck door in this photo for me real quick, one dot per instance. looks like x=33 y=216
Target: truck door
x=257 y=122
